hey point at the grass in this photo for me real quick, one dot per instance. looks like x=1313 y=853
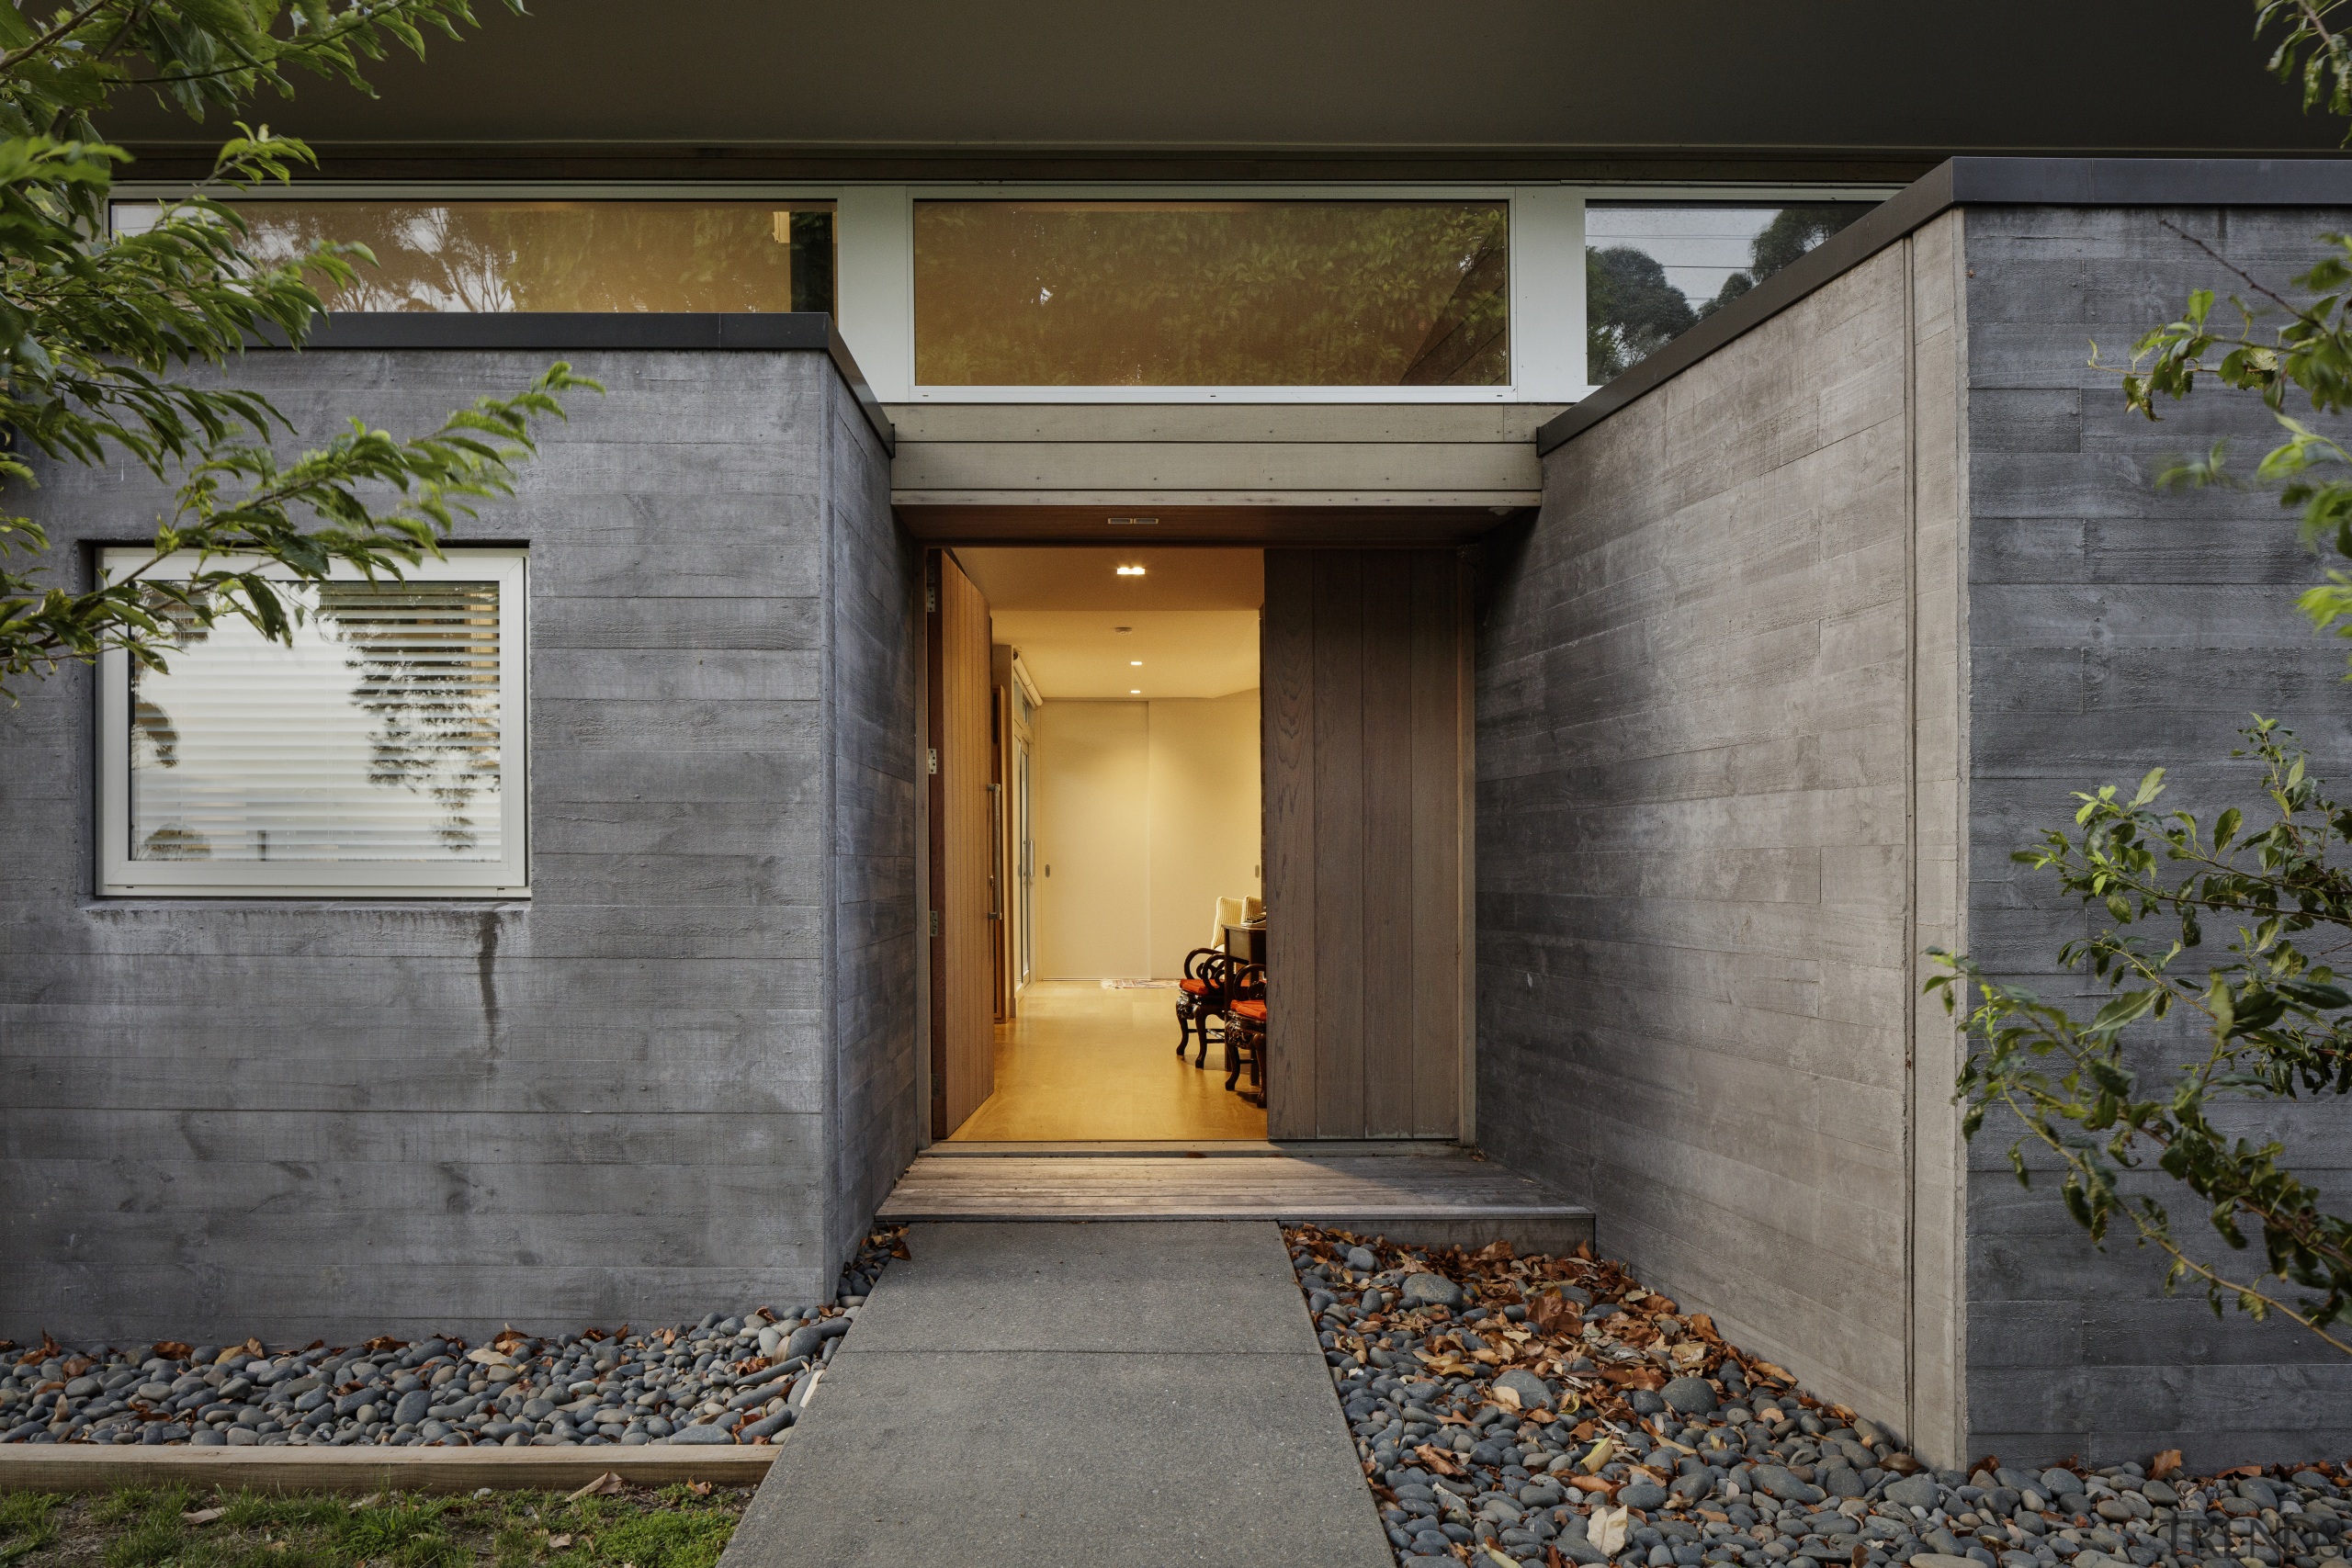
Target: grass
x=637 y=1527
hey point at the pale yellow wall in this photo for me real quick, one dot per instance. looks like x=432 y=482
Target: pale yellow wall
x=1204 y=820
x=1146 y=813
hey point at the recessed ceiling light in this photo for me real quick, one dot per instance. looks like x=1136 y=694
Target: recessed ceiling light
x=1135 y=691
x=1134 y=663
x=1131 y=571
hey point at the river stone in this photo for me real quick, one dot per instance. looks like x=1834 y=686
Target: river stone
x=1362 y=1259
x=707 y=1434
x=1533 y=1392
x=2058 y=1483
x=1643 y=1494
x=1915 y=1492
x=1938 y=1560
x=411 y=1407
x=1774 y=1481
x=1432 y=1290
x=1689 y=1396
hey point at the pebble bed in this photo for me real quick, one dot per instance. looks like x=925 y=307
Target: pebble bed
x=1551 y=1411
x=725 y=1380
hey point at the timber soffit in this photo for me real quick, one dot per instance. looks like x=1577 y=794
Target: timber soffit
x=576 y=330
x=1971 y=181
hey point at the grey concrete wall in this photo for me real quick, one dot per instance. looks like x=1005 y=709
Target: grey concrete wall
x=298 y=1117
x=1696 y=781
x=1801 y=646
x=2114 y=629
x=871 y=648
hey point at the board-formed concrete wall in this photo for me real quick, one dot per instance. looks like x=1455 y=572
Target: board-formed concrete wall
x=1695 y=820
x=1735 y=777
x=2115 y=628
x=623 y=1098
x=871 y=647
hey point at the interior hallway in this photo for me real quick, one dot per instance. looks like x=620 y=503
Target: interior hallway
x=1081 y=1063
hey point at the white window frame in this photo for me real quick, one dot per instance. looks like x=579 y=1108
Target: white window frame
x=874 y=287
x=507 y=877
x=1520 y=302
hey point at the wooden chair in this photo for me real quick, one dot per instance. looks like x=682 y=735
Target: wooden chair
x=1245 y=1029
x=1200 y=997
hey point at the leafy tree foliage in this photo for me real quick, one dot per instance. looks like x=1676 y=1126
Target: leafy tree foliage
x=114 y=343
x=2275 y=1012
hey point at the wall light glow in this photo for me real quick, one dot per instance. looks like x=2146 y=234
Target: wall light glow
x=1131 y=571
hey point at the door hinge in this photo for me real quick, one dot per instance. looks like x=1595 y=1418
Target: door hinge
x=934 y=922
x=935 y=758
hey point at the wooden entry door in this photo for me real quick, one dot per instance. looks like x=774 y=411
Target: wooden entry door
x=1365 y=702
x=963 y=846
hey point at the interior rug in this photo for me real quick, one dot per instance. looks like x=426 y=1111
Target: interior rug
x=1140 y=985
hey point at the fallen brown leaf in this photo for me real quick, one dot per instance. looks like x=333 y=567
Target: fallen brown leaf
x=370 y=1500
x=603 y=1486
x=2163 y=1464
x=699 y=1488
x=201 y=1515
x=1436 y=1459
x=558 y=1542
x=1504 y=1395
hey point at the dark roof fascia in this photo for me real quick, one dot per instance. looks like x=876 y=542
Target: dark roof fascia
x=1971 y=181
x=582 y=331
x=428 y=163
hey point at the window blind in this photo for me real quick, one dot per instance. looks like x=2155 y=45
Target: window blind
x=377 y=736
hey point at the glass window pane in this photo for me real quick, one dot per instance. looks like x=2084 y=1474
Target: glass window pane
x=496 y=256
x=1211 y=293
x=376 y=737
x=1654 y=270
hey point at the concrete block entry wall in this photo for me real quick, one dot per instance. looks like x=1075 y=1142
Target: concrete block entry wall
x=674 y=1079
x=1826 y=611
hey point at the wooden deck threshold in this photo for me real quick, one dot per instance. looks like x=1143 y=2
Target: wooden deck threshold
x=1437 y=1199
x=1203 y=1149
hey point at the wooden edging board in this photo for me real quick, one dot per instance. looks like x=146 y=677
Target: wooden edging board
x=93 y=1467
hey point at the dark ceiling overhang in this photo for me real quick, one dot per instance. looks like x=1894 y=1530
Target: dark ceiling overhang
x=1802 y=91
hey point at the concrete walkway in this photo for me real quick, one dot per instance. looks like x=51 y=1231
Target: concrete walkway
x=1096 y=1395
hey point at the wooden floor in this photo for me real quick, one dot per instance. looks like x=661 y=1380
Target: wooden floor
x=1081 y=1063
x=1444 y=1201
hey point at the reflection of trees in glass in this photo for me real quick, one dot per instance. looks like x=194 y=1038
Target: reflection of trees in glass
x=426 y=656
x=1632 y=311
x=1792 y=232
x=548 y=256
x=1239 y=293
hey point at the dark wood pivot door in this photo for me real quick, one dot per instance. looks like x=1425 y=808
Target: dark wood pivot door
x=1365 y=703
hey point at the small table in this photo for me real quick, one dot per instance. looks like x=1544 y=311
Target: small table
x=1247 y=941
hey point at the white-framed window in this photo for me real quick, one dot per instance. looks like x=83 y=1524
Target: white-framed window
x=940 y=288
x=382 y=754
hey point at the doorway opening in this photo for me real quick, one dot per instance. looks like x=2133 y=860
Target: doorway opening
x=1096 y=800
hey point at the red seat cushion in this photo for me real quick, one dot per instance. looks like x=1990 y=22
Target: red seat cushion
x=1254 y=1012
x=1197 y=988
